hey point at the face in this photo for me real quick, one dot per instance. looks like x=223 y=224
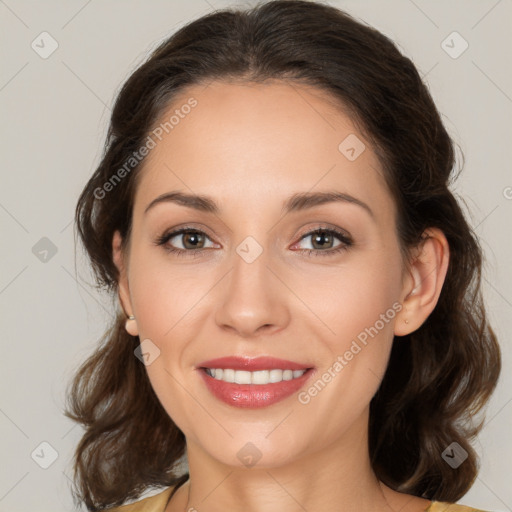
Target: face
x=315 y=283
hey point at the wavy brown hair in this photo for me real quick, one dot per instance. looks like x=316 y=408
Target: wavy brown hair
x=439 y=377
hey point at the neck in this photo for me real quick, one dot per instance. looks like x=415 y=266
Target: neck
x=336 y=478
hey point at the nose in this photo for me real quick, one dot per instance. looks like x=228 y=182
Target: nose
x=253 y=301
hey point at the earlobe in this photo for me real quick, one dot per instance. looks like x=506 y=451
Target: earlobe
x=424 y=282
x=122 y=285
x=131 y=326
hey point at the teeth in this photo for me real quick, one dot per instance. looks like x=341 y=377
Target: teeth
x=228 y=375
x=241 y=377
x=257 y=377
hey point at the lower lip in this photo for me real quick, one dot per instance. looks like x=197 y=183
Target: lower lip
x=253 y=396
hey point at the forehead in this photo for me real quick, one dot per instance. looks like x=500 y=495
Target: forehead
x=260 y=140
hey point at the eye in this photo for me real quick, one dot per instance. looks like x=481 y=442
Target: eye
x=191 y=240
x=322 y=240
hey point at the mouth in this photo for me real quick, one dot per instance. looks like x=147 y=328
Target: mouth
x=253 y=383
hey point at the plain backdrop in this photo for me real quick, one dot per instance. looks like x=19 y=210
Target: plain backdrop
x=54 y=114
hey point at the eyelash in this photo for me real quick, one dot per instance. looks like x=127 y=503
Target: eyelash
x=346 y=242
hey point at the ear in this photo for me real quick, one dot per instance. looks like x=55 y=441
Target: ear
x=123 y=288
x=423 y=281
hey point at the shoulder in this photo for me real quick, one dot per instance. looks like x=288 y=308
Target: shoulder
x=441 y=506
x=156 y=503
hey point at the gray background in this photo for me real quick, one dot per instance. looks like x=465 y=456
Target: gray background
x=54 y=118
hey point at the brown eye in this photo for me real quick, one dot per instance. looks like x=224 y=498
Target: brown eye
x=323 y=240
x=184 y=240
x=192 y=239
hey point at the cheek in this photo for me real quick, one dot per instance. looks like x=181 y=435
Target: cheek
x=165 y=296
x=360 y=309
x=167 y=300
x=352 y=298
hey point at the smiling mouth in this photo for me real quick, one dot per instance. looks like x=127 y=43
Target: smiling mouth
x=254 y=382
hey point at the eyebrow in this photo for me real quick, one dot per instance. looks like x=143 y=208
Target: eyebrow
x=296 y=202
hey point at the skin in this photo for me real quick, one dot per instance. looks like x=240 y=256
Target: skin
x=249 y=147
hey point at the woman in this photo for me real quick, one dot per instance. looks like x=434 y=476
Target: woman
x=300 y=307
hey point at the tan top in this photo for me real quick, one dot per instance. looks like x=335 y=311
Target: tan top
x=158 y=502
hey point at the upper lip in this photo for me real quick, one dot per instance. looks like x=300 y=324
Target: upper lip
x=253 y=364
